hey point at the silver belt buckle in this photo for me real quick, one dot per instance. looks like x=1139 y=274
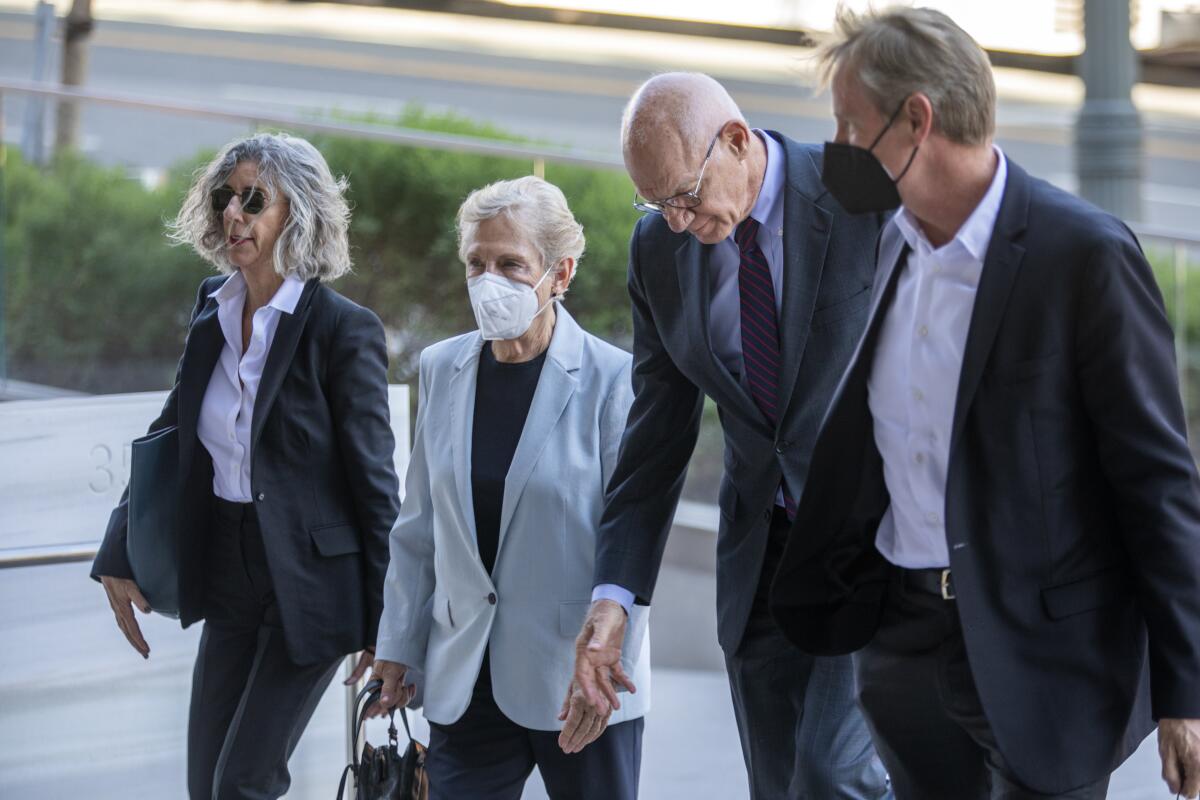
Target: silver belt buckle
x=947 y=590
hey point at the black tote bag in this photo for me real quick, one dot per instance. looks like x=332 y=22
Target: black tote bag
x=152 y=537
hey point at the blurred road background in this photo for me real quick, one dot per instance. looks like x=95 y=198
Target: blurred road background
x=558 y=84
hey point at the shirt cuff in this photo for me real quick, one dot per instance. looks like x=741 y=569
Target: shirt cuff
x=610 y=591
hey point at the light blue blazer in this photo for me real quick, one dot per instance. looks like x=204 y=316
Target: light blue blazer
x=439 y=613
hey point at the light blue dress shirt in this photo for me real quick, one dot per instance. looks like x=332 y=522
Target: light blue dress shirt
x=725 y=309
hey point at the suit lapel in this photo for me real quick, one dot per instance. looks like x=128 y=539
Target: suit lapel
x=693 y=270
x=283 y=348
x=1000 y=268
x=200 y=355
x=806 y=229
x=462 y=422
x=889 y=263
x=556 y=385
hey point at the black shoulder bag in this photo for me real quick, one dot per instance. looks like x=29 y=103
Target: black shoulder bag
x=382 y=773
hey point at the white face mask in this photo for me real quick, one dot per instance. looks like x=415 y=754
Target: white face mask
x=504 y=309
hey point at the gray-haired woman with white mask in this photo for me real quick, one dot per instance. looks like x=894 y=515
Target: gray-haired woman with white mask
x=286 y=489
x=518 y=426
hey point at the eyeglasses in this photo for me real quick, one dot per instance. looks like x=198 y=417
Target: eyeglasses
x=252 y=200
x=683 y=199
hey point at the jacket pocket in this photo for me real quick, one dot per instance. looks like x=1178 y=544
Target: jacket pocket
x=338 y=539
x=1086 y=594
x=1025 y=370
x=442 y=613
x=839 y=310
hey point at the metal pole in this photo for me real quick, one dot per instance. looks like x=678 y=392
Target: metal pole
x=1181 y=322
x=1108 y=130
x=351 y=692
x=78 y=26
x=33 y=143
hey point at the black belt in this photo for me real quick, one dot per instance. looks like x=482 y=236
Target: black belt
x=235 y=512
x=935 y=580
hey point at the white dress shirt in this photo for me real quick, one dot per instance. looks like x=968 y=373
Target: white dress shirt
x=913 y=384
x=228 y=407
x=725 y=306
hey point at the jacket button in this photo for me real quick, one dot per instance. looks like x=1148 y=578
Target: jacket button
x=781 y=446
x=492 y=598
x=767 y=515
x=261 y=497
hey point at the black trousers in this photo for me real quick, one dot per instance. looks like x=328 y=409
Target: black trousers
x=802 y=733
x=250 y=703
x=487 y=756
x=916 y=688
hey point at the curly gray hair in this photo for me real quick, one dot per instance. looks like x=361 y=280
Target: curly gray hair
x=538 y=208
x=314 y=242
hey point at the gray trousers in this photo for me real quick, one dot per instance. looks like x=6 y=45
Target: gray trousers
x=803 y=735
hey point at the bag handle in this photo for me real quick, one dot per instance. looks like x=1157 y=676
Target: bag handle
x=357 y=718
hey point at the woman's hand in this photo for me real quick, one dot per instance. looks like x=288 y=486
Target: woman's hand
x=365 y=659
x=123 y=594
x=581 y=724
x=394 y=693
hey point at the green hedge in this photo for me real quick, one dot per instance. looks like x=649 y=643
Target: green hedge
x=92 y=285
x=91 y=280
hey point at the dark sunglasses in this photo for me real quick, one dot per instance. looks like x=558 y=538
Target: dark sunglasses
x=252 y=200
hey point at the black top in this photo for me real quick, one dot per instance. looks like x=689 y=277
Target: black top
x=503 y=394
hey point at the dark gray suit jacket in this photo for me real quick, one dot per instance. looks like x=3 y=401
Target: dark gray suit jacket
x=1072 y=499
x=325 y=488
x=829 y=265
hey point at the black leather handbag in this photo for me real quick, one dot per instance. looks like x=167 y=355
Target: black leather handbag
x=382 y=773
x=152 y=542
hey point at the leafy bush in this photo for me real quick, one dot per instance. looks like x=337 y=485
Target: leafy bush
x=89 y=279
x=97 y=299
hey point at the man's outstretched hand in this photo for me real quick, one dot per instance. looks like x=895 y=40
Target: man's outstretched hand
x=598 y=657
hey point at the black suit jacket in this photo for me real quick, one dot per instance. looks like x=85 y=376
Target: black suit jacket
x=322 y=473
x=828 y=267
x=1072 y=504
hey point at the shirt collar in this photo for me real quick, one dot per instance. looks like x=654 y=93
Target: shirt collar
x=233 y=286
x=768 y=208
x=286 y=297
x=976 y=233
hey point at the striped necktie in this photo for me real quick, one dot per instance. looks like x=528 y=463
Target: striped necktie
x=760 y=329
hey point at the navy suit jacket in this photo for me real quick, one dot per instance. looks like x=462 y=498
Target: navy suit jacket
x=827 y=273
x=322 y=473
x=1072 y=503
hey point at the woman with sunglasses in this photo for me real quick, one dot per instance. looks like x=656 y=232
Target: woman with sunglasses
x=287 y=490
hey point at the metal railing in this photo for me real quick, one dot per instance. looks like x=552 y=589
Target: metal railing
x=538 y=154
x=83 y=552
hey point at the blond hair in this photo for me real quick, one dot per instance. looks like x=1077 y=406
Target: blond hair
x=901 y=51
